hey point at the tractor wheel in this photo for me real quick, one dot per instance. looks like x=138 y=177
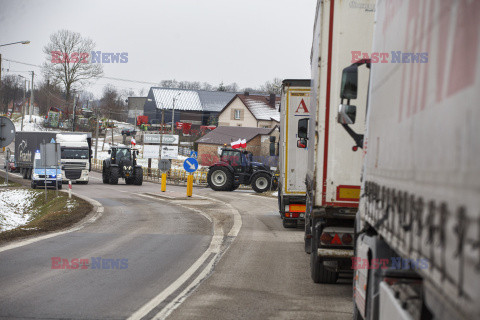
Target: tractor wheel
x=220 y=179
x=261 y=182
x=113 y=176
x=138 y=179
x=104 y=174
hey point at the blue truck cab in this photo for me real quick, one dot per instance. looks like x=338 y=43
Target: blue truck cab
x=53 y=174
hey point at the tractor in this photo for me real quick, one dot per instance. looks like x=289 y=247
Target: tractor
x=122 y=164
x=236 y=167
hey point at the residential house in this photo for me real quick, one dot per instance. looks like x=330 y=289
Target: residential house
x=251 y=110
x=198 y=107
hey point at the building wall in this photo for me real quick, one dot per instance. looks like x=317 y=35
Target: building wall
x=226 y=118
x=207 y=154
x=267 y=124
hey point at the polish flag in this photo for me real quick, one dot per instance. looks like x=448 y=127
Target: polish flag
x=240 y=143
x=133 y=141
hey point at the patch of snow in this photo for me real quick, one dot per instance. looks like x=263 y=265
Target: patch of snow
x=14 y=207
x=275 y=194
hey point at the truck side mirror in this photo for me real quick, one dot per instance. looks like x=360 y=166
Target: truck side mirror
x=302 y=131
x=348 y=89
x=346 y=114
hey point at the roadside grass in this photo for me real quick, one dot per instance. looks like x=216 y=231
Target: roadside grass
x=54 y=214
x=10 y=184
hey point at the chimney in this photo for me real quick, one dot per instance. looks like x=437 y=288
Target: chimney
x=272 y=99
x=246 y=93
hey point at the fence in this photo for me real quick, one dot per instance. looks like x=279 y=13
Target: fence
x=174 y=176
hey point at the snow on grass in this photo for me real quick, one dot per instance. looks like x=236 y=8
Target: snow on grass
x=71 y=204
x=36 y=124
x=15 y=207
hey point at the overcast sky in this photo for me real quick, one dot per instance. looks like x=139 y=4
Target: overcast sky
x=243 y=41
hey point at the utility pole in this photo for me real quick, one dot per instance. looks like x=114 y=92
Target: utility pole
x=96 y=133
x=173 y=112
x=30 y=109
x=23 y=102
x=48 y=95
x=0 y=70
x=74 y=109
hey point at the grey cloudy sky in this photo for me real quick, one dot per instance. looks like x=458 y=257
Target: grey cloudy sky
x=243 y=41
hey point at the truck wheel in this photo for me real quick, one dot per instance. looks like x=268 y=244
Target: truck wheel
x=220 y=179
x=34 y=186
x=261 y=182
x=24 y=173
x=138 y=179
x=318 y=271
x=113 y=176
x=59 y=185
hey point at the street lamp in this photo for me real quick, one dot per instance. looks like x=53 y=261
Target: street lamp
x=22 y=42
x=173 y=109
x=7 y=44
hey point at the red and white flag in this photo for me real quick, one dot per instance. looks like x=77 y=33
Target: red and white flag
x=240 y=143
x=133 y=141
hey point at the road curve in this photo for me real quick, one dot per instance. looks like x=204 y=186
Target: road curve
x=160 y=242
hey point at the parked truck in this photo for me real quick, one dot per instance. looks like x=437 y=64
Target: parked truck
x=418 y=223
x=333 y=170
x=75 y=152
x=294 y=106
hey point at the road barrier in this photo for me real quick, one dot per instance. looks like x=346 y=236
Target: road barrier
x=174 y=176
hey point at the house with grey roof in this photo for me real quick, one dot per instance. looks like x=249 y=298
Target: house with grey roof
x=251 y=110
x=198 y=107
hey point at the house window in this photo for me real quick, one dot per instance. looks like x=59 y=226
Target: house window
x=238 y=114
x=265 y=127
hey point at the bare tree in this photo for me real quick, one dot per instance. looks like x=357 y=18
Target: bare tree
x=112 y=104
x=274 y=86
x=68 y=60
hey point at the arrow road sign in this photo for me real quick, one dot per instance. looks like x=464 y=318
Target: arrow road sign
x=190 y=165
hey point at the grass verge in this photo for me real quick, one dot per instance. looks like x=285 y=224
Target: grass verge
x=53 y=214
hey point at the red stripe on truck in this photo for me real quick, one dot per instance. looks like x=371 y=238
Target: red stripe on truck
x=327 y=103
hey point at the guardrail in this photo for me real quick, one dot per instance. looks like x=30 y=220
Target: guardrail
x=174 y=176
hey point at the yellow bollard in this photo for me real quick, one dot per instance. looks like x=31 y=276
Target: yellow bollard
x=189 y=185
x=164 y=182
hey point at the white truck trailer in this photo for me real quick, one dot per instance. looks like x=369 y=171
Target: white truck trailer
x=333 y=172
x=418 y=224
x=294 y=106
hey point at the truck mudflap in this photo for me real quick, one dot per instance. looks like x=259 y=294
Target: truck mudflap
x=335 y=253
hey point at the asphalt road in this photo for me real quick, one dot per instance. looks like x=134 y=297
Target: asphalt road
x=264 y=273
x=160 y=241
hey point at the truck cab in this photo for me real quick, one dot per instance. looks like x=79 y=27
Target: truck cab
x=41 y=174
x=76 y=154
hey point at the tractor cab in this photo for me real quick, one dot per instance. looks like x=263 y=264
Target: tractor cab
x=239 y=160
x=122 y=164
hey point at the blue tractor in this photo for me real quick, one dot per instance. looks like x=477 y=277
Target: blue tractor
x=237 y=167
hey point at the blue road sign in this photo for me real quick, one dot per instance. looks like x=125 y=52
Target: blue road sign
x=52 y=141
x=194 y=154
x=190 y=165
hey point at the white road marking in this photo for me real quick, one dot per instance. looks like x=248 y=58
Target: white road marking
x=215 y=248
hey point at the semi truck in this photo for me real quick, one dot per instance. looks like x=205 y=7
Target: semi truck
x=292 y=161
x=333 y=170
x=75 y=152
x=417 y=252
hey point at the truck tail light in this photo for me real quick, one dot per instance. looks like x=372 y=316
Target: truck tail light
x=326 y=238
x=291 y=214
x=346 y=238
